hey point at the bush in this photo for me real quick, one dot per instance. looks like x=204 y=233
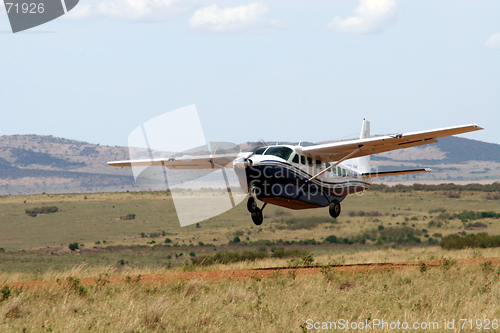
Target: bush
x=236 y=240
x=6 y=292
x=128 y=217
x=482 y=240
x=42 y=210
x=73 y=246
x=168 y=240
x=2 y=249
x=475 y=226
x=332 y=239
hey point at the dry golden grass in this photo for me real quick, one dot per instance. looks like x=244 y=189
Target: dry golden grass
x=279 y=303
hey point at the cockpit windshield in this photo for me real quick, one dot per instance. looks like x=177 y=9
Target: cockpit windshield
x=282 y=152
x=260 y=151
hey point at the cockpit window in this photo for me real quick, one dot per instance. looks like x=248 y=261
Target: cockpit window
x=260 y=151
x=282 y=152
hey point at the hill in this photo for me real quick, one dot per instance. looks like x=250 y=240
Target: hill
x=451 y=159
x=35 y=164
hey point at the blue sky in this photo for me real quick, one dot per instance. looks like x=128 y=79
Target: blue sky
x=277 y=70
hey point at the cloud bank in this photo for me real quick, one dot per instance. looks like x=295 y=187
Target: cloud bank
x=241 y=19
x=370 y=17
x=131 y=10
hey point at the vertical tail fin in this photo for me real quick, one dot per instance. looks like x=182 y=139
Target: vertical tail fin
x=364 y=162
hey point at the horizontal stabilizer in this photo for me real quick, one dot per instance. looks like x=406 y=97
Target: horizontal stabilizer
x=394 y=173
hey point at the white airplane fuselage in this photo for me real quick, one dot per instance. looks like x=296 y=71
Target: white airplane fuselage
x=282 y=176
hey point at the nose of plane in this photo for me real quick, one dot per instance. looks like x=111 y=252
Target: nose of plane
x=242 y=163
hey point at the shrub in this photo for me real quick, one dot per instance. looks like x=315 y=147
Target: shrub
x=73 y=246
x=76 y=286
x=2 y=249
x=6 y=292
x=128 y=217
x=475 y=226
x=42 y=210
x=482 y=240
x=168 y=240
x=332 y=239
x=236 y=240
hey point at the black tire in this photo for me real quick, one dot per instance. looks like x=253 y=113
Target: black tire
x=251 y=204
x=257 y=216
x=334 y=209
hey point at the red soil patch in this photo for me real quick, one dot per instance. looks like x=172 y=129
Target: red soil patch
x=157 y=279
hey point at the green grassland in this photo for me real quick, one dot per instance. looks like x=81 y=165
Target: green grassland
x=36 y=244
x=88 y=218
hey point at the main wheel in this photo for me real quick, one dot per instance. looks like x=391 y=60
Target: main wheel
x=334 y=209
x=257 y=216
x=251 y=204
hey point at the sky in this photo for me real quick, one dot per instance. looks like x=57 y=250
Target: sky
x=278 y=70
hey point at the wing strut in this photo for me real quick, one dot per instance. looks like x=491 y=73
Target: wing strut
x=336 y=163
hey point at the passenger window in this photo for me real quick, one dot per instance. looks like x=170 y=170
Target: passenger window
x=310 y=161
x=303 y=160
x=296 y=159
x=318 y=164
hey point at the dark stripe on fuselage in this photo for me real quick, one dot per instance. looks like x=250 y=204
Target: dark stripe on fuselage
x=285 y=185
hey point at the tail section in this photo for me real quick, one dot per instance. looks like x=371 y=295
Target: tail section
x=364 y=162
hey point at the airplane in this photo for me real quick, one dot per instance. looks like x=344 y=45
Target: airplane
x=298 y=177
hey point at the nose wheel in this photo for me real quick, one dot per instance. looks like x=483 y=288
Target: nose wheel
x=256 y=212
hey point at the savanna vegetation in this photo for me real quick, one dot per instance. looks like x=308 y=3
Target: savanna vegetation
x=95 y=250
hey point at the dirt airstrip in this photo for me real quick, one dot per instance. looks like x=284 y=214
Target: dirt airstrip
x=217 y=275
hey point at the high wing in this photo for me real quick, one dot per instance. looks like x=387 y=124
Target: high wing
x=394 y=173
x=374 y=145
x=184 y=162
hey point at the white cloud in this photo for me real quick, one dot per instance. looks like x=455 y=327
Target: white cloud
x=249 y=18
x=370 y=17
x=131 y=10
x=493 y=43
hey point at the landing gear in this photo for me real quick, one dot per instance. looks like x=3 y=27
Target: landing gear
x=334 y=209
x=251 y=204
x=257 y=216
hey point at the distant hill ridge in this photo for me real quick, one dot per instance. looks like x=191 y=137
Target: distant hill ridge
x=455 y=150
x=37 y=163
